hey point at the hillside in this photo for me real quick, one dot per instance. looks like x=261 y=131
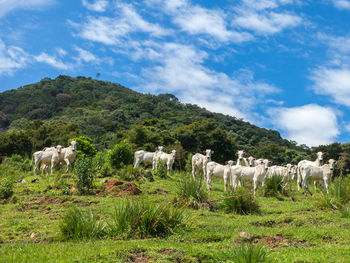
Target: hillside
x=99 y=107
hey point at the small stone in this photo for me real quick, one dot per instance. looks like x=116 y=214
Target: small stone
x=245 y=235
x=35 y=180
x=23 y=181
x=104 y=181
x=32 y=235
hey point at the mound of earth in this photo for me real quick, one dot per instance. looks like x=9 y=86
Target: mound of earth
x=115 y=188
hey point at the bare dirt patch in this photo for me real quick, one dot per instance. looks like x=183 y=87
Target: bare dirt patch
x=137 y=258
x=273 y=241
x=169 y=251
x=115 y=188
x=160 y=191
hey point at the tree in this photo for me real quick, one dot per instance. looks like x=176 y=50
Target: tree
x=17 y=142
x=121 y=154
x=84 y=146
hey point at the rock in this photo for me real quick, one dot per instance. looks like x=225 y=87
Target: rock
x=23 y=181
x=35 y=180
x=245 y=235
x=104 y=181
x=32 y=235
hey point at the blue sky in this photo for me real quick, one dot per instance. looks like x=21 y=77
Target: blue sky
x=279 y=64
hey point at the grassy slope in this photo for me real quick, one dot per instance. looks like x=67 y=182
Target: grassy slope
x=310 y=234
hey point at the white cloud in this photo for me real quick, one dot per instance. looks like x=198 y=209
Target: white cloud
x=342 y=4
x=112 y=31
x=12 y=58
x=52 y=61
x=309 y=124
x=7 y=6
x=85 y=56
x=338 y=44
x=180 y=70
x=266 y=23
x=97 y=5
x=334 y=83
x=265 y=4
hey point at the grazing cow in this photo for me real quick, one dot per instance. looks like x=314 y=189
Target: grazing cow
x=145 y=157
x=44 y=157
x=286 y=172
x=199 y=162
x=214 y=169
x=169 y=158
x=317 y=162
x=317 y=173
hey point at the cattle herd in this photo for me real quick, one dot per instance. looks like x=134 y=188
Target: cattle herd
x=246 y=169
x=234 y=173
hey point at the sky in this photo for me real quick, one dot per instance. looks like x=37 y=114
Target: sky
x=279 y=64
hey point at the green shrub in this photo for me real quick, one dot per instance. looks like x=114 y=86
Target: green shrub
x=106 y=171
x=99 y=160
x=84 y=176
x=79 y=224
x=274 y=186
x=191 y=192
x=338 y=197
x=250 y=254
x=6 y=188
x=121 y=155
x=161 y=169
x=85 y=146
x=140 y=219
x=240 y=201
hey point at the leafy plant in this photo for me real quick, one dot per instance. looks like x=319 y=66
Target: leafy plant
x=191 y=192
x=6 y=188
x=84 y=175
x=161 y=169
x=129 y=173
x=121 y=155
x=140 y=219
x=240 y=201
x=78 y=224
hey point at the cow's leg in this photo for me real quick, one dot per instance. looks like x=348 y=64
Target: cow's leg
x=208 y=181
x=68 y=164
x=255 y=186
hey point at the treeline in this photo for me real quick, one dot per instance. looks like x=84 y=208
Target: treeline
x=100 y=108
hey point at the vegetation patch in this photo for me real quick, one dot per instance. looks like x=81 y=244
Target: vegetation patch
x=240 y=201
x=116 y=188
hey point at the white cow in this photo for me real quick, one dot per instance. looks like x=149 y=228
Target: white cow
x=253 y=162
x=169 y=158
x=240 y=158
x=142 y=156
x=322 y=173
x=253 y=174
x=214 y=169
x=199 y=162
x=67 y=155
x=317 y=162
x=286 y=172
x=44 y=157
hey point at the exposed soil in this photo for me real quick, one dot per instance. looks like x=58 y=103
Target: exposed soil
x=169 y=251
x=160 y=191
x=273 y=241
x=137 y=258
x=272 y=223
x=115 y=188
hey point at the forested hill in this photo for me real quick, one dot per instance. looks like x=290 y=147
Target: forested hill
x=53 y=110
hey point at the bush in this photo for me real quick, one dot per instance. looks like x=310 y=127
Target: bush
x=106 y=171
x=85 y=146
x=240 y=201
x=161 y=169
x=6 y=188
x=84 y=174
x=274 y=186
x=338 y=197
x=191 y=192
x=250 y=254
x=140 y=219
x=79 y=224
x=121 y=155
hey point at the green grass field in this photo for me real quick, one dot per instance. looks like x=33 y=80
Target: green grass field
x=292 y=229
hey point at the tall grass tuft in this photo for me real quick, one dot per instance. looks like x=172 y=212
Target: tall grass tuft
x=6 y=187
x=79 y=224
x=139 y=219
x=161 y=169
x=274 y=186
x=251 y=254
x=191 y=192
x=240 y=201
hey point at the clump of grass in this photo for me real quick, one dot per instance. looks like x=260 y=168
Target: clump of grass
x=251 y=254
x=139 y=219
x=191 y=192
x=78 y=224
x=240 y=201
x=129 y=173
x=338 y=197
x=274 y=186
